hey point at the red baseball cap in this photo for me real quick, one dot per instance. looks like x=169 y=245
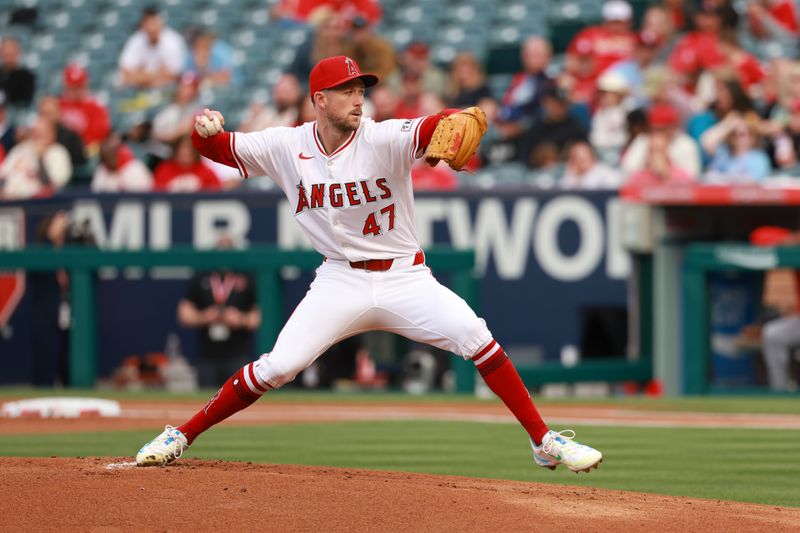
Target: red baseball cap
x=663 y=115
x=334 y=71
x=75 y=75
x=418 y=49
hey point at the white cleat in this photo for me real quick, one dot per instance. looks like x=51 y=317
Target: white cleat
x=164 y=449
x=558 y=447
x=545 y=461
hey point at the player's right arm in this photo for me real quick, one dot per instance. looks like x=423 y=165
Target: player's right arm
x=253 y=154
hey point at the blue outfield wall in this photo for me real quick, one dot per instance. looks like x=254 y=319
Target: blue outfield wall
x=541 y=257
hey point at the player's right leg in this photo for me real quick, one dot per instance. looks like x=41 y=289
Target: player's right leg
x=335 y=307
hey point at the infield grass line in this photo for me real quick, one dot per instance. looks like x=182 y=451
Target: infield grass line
x=785 y=404
x=727 y=464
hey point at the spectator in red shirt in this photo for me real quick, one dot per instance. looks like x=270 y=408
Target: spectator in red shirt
x=748 y=70
x=698 y=50
x=302 y=10
x=81 y=112
x=771 y=18
x=607 y=43
x=184 y=172
x=410 y=97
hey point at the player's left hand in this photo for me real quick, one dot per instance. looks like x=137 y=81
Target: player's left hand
x=456 y=138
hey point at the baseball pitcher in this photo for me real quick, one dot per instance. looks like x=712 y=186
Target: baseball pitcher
x=349 y=181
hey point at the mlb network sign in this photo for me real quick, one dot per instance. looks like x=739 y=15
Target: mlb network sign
x=568 y=237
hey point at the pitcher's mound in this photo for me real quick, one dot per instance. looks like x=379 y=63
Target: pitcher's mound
x=59 y=494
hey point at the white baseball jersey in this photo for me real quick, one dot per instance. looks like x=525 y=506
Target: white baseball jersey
x=354 y=204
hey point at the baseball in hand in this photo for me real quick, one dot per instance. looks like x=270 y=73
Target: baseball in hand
x=207 y=126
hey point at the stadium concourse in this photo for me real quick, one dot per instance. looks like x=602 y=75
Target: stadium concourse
x=580 y=94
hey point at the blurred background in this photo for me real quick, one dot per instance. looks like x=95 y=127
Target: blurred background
x=632 y=210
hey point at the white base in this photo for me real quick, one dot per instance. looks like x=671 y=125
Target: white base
x=61 y=408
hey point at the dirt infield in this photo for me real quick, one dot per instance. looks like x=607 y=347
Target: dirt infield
x=84 y=495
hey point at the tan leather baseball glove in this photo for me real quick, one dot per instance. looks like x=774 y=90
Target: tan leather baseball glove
x=456 y=138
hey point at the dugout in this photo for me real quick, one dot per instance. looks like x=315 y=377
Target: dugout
x=681 y=239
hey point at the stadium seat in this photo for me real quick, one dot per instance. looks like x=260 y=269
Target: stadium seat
x=503 y=175
x=562 y=31
x=498 y=83
x=503 y=60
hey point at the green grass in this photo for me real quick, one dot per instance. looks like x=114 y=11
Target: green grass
x=786 y=404
x=731 y=464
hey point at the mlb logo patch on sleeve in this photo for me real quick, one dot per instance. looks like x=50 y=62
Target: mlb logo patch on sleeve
x=406 y=126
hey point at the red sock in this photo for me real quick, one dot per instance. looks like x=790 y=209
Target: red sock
x=241 y=390
x=500 y=375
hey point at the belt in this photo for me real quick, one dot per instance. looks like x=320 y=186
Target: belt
x=381 y=265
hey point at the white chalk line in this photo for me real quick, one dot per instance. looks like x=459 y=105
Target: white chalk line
x=112 y=466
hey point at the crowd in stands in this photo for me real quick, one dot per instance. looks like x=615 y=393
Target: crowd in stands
x=695 y=92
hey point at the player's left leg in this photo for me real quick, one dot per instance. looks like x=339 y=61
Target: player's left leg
x=417 y=306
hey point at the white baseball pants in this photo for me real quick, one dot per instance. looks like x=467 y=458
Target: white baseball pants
x=343 y=301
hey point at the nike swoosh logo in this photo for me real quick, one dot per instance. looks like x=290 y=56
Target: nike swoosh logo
x=304 y=156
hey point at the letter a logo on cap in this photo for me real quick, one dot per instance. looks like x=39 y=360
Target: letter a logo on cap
x=351 y=67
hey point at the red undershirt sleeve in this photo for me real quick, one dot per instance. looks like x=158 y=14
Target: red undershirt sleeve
x=216 y=148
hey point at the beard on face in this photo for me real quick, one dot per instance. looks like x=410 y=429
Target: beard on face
x=343 y=123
